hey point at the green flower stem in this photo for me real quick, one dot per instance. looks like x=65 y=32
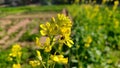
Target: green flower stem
x=53 y=65
x=18 y=59
x=47 y=64
x=43 y=64
x=69 y=60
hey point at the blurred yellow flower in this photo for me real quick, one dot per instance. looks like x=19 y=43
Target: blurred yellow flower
x=104 y=1
x=45 y=28
x=48 y=48
x=87 y=45
x=63 y=21
x=88 y=39
x=65 y=31
x=49 y=29
x=16 y=66
x=53 y=19
x=66 y=40
x=55 y=58
x=16 y=48
x=34 y=63
x=16 y=51
x=39 y=55
x=116 y=2
x=59 y=59
x=38 y=41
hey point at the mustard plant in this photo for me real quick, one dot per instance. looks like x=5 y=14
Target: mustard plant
x=57 y=34
x=15 y=56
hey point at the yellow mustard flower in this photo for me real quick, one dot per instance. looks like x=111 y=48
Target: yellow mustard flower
x=66 y=40
x=54 y=29
x=16 y=48
x=53 y=19
x=38 y=41
x=47 y=42
x=16 y=66
x=49 y=29
x=87 y=45
x=39 y=55
x=62 y=59
x=48 y=48
x=63 y=21
x=59 y=59
x=116 y=3
x=65 y=31
x=55 y=58
x=48 y=45
x=88 y=39
x=45 y=27
x=16 y=51
x=34 y=63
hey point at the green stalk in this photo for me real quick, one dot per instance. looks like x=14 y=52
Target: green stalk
x=53 y=65
x=47 y=64
x=43 y=64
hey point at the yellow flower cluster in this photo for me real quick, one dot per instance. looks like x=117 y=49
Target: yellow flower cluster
x=59 y=26
x=34 y=63
x=16 y=55
x=59 y=59
x=116 y=3
x=15 y=51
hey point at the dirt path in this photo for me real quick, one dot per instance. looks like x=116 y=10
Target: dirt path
x=18 y=25
x=13 y=29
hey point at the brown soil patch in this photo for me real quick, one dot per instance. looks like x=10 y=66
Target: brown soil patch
x=14 y=26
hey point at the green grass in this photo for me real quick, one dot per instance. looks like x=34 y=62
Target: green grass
x=30 y=9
